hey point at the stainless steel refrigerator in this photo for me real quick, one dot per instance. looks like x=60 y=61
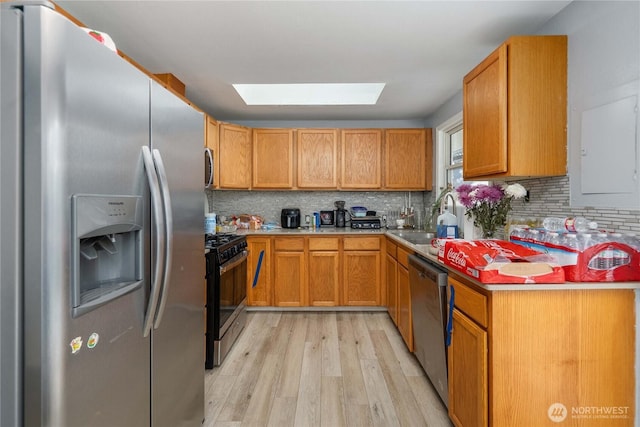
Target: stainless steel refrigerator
x=102 y=264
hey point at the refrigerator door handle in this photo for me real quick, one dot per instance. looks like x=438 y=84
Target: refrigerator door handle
x=159 y=226
x=166 y=199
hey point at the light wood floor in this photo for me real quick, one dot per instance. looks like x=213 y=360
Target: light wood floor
x=320 y=369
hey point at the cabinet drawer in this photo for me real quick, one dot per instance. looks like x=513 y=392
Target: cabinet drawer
x=323 y=243
x=470 y=302
x=403 y=257
x=391 y=248
x=289 y=244
x=361 y=243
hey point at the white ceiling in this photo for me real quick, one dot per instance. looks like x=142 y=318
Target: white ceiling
x=421 y=49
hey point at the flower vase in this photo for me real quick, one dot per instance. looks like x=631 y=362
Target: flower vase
x=471 y=232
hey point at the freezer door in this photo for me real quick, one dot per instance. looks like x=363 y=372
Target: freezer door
x=177 y=134
x=86 y=119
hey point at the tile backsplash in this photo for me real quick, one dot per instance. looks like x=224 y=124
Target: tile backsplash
x=548 y=197
x=268 y=204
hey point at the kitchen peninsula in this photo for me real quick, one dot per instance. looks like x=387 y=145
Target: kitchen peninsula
x=517 y=352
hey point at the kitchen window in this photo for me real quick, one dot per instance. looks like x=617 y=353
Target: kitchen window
x=453 y=150
x=449 y=153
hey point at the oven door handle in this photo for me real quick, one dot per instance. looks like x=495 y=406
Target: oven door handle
x=233 y=262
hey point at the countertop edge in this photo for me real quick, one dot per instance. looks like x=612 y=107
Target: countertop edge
x=421 y=250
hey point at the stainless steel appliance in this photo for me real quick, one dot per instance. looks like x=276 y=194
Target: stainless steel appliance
x=368 y=222
x=101 y=234
x=428 y=285
x=208 y=168
x=226 y=294
x=290 y=218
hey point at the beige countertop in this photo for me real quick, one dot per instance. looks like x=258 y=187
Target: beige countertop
x=399 y=236
x=316 y=232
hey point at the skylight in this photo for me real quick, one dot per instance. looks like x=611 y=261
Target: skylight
x=310 y=93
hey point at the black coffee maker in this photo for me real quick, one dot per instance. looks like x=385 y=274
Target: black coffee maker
x=341 y=214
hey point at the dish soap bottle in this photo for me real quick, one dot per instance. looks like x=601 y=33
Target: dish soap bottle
x=447 y=225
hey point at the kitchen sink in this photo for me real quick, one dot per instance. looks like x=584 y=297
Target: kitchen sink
x=415 y=237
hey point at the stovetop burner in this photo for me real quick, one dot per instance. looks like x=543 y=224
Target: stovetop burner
x=224 y=247
x=217 y=240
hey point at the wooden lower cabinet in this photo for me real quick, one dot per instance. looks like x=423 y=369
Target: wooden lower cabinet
x=391 y=271
x=468 y=373
x=405 y=318
x=260 y=294
x=362 y=284
x=324 y=272
x=531 y=357
x=289 y=272
x=305 y=271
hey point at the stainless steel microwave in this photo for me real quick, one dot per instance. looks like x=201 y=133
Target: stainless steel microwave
x=208 y=168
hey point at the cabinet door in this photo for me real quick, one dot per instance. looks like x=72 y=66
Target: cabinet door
x=317 y=158
x=289 y=279
x=361 y=165
x=324 y=278
x=406 y=159
x=485 y=116
x=361 y=278
x=235 y=156
x=212 y=142
x=468 y=380
x=272 y=158
x=260 y=294
x=392 y=288
x=515 y=110
x=405 y=320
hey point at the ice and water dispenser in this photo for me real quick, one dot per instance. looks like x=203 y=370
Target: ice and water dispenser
x=107 y=249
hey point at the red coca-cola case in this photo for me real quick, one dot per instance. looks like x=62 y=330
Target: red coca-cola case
x=498 y=261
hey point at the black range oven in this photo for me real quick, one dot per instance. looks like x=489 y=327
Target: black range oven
x=226 y=294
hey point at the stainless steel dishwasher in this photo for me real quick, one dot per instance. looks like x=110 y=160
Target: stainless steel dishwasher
x=429 y=309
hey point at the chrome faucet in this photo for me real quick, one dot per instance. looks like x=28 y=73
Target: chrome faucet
x=443 y=200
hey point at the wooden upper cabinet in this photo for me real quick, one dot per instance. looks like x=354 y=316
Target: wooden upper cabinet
x=361 y=165
x=408 y=154
x=317 y=158
x=515 y=110
x=212 y=142
x=272 y=158
x=235 y=156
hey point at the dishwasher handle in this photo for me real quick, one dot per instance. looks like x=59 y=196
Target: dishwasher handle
x=425 y=269
x=452 y=298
